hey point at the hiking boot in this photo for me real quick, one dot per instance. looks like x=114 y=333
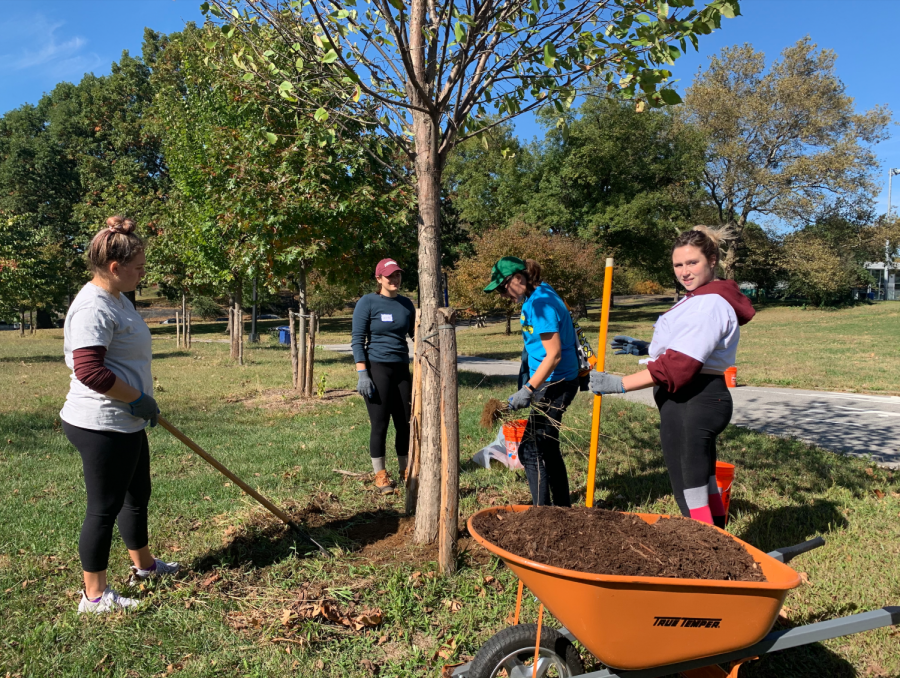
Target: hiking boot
x=383 y=482
x=158 y=569
x=110 y=601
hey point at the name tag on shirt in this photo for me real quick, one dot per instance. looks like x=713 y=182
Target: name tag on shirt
x=387 y=317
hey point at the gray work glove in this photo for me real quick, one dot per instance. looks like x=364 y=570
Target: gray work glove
x=521 y=398
x=629 y=345
x=146 y=408
x=603 y=383
x=365 y=386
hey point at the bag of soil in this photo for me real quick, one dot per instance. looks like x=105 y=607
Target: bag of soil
x=497 y=451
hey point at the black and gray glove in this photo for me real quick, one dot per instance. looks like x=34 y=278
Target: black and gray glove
x=629 y=345
x=365 y=386
x=521 y=398
x=603 y=383
x=146 y=408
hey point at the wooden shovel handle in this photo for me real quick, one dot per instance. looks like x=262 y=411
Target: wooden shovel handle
x=224 y=471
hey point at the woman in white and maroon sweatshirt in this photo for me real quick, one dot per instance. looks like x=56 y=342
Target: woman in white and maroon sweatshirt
x=109 y=404
x=693 y=344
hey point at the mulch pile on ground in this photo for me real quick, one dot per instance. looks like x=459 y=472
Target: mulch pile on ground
x=607 y=542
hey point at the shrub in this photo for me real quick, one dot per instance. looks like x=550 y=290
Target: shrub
x=648 y=287
x=205 y=308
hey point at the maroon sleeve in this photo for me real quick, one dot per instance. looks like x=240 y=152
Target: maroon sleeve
x=674 y=370
x=90 y=369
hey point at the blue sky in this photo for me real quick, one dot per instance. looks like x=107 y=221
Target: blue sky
x=43 y=42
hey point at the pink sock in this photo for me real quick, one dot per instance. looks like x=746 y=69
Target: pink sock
x=702 y=514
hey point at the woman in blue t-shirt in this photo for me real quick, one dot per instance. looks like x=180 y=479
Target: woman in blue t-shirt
x=552 y=362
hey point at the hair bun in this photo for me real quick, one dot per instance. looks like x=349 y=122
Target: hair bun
x=121 y=224
x=717 y=235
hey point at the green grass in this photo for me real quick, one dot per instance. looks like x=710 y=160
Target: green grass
x=853 y=349
x=224 y=615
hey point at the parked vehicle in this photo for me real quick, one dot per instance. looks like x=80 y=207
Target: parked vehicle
x=167 y=321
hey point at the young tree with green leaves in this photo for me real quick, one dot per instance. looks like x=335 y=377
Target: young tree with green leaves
x=784 y=142
x=426 y=74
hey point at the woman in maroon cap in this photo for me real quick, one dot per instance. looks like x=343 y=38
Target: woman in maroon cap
x=381 y=322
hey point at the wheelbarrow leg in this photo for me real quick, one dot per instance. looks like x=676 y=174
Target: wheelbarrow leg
x=716 y=671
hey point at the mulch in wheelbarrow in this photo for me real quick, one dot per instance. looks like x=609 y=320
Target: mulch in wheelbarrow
x=608 y=542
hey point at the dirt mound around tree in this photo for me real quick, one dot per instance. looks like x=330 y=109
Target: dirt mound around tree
x=607 y=542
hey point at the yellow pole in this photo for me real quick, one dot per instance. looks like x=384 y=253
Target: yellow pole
x=598 y=400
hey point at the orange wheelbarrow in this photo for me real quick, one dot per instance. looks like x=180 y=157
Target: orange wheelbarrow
x=646 y=627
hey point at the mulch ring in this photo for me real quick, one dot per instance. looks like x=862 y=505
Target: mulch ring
x=608 y=542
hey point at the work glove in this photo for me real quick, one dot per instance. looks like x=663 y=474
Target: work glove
x=629 y=345
x=366 y=386
x=146 y=408
x=603 y=383
x=521 y=398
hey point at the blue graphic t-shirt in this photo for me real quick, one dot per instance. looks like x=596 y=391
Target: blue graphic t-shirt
x=544 y=312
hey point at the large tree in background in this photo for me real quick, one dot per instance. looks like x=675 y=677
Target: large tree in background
x=426 y=73
x=784 y=142
x=625 y=179
x=39 y=187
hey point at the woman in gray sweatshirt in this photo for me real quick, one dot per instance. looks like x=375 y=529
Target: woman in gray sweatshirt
x=381 y=322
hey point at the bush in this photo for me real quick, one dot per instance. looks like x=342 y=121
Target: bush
x=205 y=308
x=647 y=287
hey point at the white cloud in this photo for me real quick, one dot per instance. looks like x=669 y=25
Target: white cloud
x=39 y=47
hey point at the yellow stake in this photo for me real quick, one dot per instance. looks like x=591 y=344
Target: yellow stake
x=598 y=400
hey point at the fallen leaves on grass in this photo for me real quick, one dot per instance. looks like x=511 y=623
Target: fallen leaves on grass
x=879 y=494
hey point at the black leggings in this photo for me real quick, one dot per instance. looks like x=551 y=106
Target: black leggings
x=539 y=450
x=393 y=393
x=117 y=478
x=689 y=422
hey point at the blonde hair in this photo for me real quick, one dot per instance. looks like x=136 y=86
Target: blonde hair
x=707 y=239
x=117 y=242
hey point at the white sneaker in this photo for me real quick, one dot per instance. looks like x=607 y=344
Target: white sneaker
x=161 y=568
x=110 y=601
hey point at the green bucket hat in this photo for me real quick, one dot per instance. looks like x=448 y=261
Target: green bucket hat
x=502 y=270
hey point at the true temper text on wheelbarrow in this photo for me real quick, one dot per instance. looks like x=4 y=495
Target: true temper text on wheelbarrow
x=687 y=622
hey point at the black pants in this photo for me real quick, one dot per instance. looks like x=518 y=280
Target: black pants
x=689 y=422
x=117 y=478
x=539 y=451
x=393 y=393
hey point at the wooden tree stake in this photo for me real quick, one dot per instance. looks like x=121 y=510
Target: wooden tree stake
x=292 y=324
x=415 y=431
x=240 y=336
x=177 y=331
x=310 y=354
x=449 y=523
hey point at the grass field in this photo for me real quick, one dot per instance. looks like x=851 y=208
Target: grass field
x=852 y=349
x=241 y=606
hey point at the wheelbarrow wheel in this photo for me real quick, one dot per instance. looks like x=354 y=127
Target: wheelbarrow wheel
x=512 y=651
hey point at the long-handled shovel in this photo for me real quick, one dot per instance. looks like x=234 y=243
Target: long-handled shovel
x=274 y=510
x=598 y=400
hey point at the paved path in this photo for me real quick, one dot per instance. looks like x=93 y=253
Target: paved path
x=497 y=368
x=852 y=423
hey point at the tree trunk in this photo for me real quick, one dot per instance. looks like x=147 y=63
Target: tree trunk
x=240 y=335
x=177 y=330
x=301 y=329
x=22 y=322
x=183 y=320
x=188 y=327
x=509 y=315
x=428 y=174
x=237 y=334
x=449 y=524
x=31 y=321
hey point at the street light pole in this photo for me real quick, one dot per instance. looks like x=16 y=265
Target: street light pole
x=891 y=173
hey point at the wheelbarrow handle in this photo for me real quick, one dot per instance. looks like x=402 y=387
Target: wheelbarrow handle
x=788 y=553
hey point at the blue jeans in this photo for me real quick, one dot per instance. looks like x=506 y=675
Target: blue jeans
x=539 y=451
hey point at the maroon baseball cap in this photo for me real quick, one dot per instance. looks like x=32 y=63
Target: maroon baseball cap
x=386 y=267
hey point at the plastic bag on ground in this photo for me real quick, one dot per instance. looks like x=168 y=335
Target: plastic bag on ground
x=497 y=450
